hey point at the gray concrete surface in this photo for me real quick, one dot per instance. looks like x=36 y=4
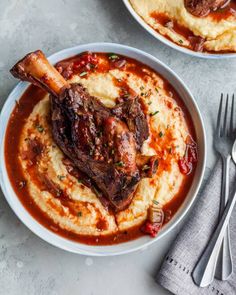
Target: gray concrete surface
x=28 y=265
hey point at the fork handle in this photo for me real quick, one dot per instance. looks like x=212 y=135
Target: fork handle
x=203 y=273
x=224 y=267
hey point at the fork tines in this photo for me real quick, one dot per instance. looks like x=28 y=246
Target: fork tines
x=225 y=128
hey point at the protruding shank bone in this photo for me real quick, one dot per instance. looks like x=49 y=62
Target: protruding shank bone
x=36 y=69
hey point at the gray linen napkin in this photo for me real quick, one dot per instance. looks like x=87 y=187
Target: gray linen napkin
x=175 y=272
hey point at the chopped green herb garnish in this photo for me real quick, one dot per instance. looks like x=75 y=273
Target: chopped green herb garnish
x=155 y=202
x=154 y=113
x=119 y=164
x=60 y=177
x=181 y=41
x=91 y=66
x=39 y=128
x=79 y=214
x=145 y=167
x=83 y=74
x=79 y=181
x=149 y=103
x=161 y=134
x=156 y=89
x=141 y=88
x=142 y=94
x=113 y=56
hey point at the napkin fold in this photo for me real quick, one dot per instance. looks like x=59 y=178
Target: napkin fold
x=178 y=265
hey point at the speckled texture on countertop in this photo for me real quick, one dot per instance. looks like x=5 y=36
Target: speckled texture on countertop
x=28 y=265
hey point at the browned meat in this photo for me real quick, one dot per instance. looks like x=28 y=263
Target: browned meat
x=132 y=113
x=197 y=43
x=201 y=8
x=33 y=151
x=101 y=142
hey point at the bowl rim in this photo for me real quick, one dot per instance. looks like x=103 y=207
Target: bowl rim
x=171 y=44
x=73 y=246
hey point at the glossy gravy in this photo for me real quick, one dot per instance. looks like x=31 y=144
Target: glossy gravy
x=21 y=112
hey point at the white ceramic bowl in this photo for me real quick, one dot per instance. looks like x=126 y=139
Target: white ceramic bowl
x=172 y=44
x=130 y=246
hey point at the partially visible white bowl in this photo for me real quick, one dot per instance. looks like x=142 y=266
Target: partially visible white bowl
x=171 y=44
x=130 y=246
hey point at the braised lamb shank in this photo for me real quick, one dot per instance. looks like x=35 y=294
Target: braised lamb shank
x=104 y=143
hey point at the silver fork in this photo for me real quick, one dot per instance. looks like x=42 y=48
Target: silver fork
x=223 y=141
x=216 y=259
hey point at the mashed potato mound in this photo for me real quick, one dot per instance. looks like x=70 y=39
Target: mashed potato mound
x=219 y=35
x=84 y=214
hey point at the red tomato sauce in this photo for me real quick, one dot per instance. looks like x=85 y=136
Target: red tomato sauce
x=196 y=43
x=21 y=112
x=224 y=13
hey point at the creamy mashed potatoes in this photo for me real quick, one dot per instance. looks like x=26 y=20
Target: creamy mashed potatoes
x=49 y=181
x=219 y=33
